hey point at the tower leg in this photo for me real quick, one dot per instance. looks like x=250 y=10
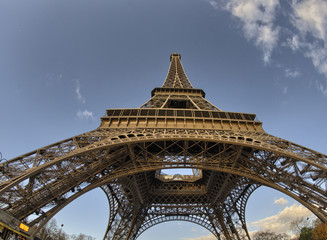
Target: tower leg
x=234 y=225
x=113 y=210
x=217 y=219
x=119 y=229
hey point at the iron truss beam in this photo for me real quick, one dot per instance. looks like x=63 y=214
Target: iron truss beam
x=47 y=187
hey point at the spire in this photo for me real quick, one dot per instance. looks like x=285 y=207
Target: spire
x=176 y=77
x=177 y=91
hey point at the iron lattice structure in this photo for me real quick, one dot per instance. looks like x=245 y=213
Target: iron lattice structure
x=229 y=153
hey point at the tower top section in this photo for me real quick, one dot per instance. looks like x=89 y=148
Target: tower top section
x=178 y=105
x=176 y=77
x=175 y=55
x=177 y=91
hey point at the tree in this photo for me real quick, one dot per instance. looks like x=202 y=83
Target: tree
x=51 y=231
x=309 y=230
x=300 y=223
x=266 y=235
x=320 y=231
x=81 y=236
x=306 y=234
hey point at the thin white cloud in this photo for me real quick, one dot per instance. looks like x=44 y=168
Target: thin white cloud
x=310 y=19
x=322 y=87
x=308 y=35
x=79 y=96
x=318 y=54
x=281 y=201
x=291 y=73
x=209 y=237
x=280 y=223
x=310 y=16
x=294 y=42
x=257 y=18
x=213 y=3
x=85 y=115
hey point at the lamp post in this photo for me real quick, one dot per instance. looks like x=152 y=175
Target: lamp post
x=60 y=231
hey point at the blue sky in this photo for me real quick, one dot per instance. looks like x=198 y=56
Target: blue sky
x=63 y=62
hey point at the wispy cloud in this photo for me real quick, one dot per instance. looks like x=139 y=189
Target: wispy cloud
x=309 y=17
x=293 y=42
x=79 y=96
x=303 y=29
x=279 y=223
x=85 y=115
x=209 y=237
x=281 y=201
x=322 y=87
x=291 y=73
x=213 y=3
x=257 y=20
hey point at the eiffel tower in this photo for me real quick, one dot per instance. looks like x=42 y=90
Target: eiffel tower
x=177 y=157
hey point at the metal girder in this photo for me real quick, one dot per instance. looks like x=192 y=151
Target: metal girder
x=263 y=167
